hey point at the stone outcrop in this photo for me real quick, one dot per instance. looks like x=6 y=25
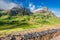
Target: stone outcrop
x=42 y=10
x=44 y=35
x=19 y=11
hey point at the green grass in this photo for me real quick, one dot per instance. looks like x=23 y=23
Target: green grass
x=7 y=29
x=9 y=24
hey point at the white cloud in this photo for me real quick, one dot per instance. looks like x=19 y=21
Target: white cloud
x=31 y=7
x=5 y=5
x=56 y=11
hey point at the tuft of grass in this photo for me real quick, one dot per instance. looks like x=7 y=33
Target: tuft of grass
x=9 y=24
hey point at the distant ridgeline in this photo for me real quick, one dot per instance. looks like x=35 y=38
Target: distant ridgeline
x=23 y=16
x=24 y=11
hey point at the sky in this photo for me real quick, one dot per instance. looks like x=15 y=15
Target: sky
x=53 y=5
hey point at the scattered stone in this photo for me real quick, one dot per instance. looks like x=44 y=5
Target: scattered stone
x=33 y=36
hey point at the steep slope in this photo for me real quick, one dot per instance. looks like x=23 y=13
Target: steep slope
x=19 y=11
x=19 y=19
x=44 y=10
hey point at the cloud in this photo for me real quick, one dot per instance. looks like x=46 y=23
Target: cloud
x=56 y=11
x=31 y=7
x=5 y=5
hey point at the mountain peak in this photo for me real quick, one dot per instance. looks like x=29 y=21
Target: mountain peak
x=42 y=9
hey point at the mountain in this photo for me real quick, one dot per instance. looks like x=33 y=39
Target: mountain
x=24 y=11
x=19 y=11
x=43 y=10
x=22 y=18
x=1 y=9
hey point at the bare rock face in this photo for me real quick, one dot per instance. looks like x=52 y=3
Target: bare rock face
x=44 y=35
x=19 y=10
x=43 y=10
x=1 y=9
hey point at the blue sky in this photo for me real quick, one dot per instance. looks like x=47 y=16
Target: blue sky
x=53 y=5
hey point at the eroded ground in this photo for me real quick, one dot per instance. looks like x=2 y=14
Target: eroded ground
x=56 y=38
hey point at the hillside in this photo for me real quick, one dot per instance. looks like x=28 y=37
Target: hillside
x=18 y=19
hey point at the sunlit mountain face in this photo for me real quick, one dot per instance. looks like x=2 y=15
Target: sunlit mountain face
x=33 y=5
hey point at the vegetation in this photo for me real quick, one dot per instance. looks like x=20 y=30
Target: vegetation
x=22 y=22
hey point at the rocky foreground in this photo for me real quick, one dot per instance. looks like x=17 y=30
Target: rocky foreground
x=56 y=38
x=34 y=35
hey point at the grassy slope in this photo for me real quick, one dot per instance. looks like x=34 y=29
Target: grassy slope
x=20 y=23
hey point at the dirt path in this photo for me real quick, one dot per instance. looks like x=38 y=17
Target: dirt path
x=35 y=30
x=39 y=29
x=56 y=38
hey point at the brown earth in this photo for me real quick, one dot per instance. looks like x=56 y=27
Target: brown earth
x=43 y=28
x=40 y=29
x=56 y=38
x=46 y=35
